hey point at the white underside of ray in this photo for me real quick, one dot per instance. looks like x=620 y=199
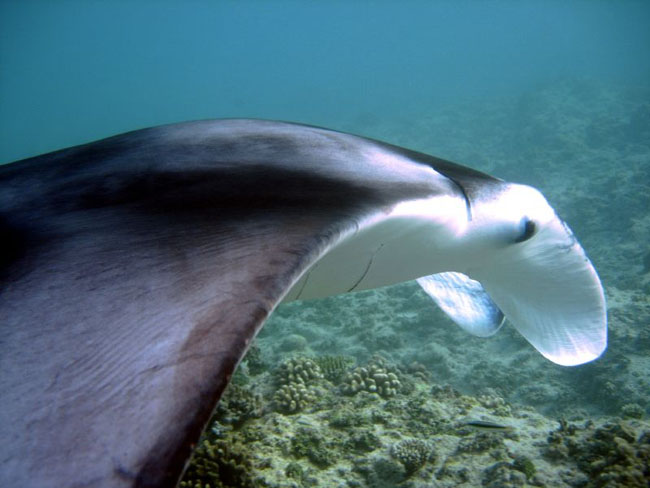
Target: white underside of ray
x=465 y=301
x=545 y=285
x=551 y=293
x=401 y=244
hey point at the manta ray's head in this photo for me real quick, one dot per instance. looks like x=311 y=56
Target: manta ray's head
x=533 y=268
x=512 y=214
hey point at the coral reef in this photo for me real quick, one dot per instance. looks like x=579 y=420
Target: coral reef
x=296 y=377
x=294 y=397
x=376 y=377
x=334 y=367
x=219 y=464
x=412 y=453
x=309 y=443
x=372 y=441
x=612 y=455
x=238 y=405
x=480 y=442
x=503 y=475
x=525 y=465
x=363 y=441
x=254 y=361
x=632 y=411
x=298 y=370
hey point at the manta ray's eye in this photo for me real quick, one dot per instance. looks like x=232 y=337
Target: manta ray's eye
x=528 y=230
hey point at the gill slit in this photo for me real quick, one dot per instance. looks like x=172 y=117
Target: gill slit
x=468 y=204
x=365 y=272
x=304 y=284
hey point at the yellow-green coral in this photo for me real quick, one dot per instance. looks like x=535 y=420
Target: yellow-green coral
x=238 y=405
x=218 y=464
x=295 y=376
x=294 y=397
x=374 y=378
x=298 y=370
x=412 y=453
x=334 y=367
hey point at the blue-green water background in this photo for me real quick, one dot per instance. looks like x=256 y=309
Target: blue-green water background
x=74 y=71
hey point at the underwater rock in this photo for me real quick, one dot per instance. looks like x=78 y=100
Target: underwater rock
x=525 y=465
x=503 y=475
x=419 y=371
x=294 y=471
x=480 y=442
x=445 y=392
x=376 y=377
x=611 y=456
x=646 y=262
x=496 y=404
x=363 y=441
x=643 y=335
x=293 y=342
x=346 y=418
x=311 y=444
x=382 y=472
x=632 y=411
x=412 y=453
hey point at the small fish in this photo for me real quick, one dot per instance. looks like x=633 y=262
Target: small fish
x=486 y=425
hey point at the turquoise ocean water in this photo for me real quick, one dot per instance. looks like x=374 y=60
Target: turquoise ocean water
x=552 y=94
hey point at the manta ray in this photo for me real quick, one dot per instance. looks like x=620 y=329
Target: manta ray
x=136 y=271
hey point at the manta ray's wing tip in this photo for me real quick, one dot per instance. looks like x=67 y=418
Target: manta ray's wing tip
x=554 y=298
x=550 y=293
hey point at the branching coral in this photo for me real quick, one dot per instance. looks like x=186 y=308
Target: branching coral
x=334 y=367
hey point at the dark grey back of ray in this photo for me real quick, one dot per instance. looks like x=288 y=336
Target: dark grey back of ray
x=136 y=271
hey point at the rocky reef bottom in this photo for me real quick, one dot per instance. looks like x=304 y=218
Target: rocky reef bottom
x=321 y=421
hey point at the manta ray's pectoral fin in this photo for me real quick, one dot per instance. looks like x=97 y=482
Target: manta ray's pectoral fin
x=546 y=287
x=125 y=315
x=549 y=290
x=465 y=301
